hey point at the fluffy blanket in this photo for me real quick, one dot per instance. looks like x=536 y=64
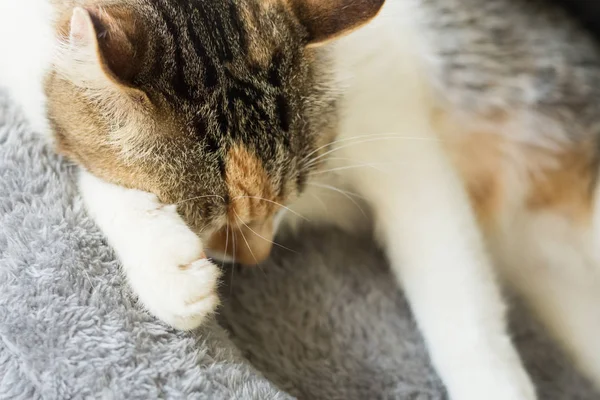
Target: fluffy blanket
x=327 y=322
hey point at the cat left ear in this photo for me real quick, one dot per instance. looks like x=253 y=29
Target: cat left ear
x=102 y=48
x=326 y=20
x=82 y=32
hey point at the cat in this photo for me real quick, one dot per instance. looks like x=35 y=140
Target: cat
x=467 y=128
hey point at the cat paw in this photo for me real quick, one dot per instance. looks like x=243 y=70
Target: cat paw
x=182 y=295
x=164 y=260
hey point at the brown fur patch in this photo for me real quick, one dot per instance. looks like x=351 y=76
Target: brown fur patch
x=493 y=166
x=478 y=158
x=70 y=110
x=567 y=187
x=250 y=191
x=249 y=233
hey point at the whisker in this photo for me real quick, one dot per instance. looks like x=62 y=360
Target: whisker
x=233 y=246
x=262 y=237
x=325 y=186
x=350 y=159
x=247 y=244
x=315 y=173
x=226 y=243
x=320 y=201
x=345 y=193
x=333 y=159
x=355 y=138
x=272 y=202
x=233 y=266
x=250 y=248
x=311 y=162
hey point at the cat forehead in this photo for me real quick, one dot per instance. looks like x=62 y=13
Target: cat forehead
x=226 y=31
x=200 y=52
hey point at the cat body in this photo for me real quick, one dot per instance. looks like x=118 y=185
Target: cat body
x=466 y=131
x=449 y=100
x=513 y=104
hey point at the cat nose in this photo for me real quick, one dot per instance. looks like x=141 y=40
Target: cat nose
x=248 y=244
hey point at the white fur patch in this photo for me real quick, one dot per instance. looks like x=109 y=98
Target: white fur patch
x=26 y=46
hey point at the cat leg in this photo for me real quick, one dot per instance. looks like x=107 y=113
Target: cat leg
x=436 y=250
x=552 y=265
x=572 y=313
x=163 y=259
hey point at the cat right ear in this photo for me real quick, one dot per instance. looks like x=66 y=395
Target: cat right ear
x=326 y=20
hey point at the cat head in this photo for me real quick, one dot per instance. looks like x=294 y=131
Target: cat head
x=213 y=105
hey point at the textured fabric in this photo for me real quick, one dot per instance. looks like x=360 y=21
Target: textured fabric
x=324 y=322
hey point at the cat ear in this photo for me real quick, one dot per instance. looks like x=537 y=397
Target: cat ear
x=101 y=49
x=327 y=19
x=82 y=32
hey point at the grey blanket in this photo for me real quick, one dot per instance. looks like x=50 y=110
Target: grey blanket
x=327 y=322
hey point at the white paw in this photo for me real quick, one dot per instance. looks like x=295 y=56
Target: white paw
x=170 y=272
x=180 y=295
x=163 y=259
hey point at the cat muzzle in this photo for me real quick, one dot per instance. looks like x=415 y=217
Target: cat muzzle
x=247 y=244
